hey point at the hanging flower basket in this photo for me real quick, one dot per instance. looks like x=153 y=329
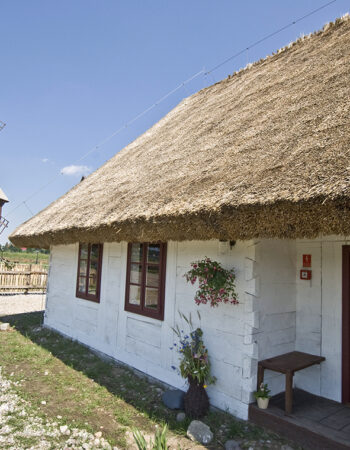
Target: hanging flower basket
x=216 y=284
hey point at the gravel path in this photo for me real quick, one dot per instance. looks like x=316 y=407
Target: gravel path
x=20 y=428
x=21 y=303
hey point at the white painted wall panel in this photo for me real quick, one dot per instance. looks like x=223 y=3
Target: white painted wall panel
x=319 y=319
x=277 y=313
x=144 y=342
x=277 y=304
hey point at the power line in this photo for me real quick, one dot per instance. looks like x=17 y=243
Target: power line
x=181 y=85
x=104 y=141
x=254 y=44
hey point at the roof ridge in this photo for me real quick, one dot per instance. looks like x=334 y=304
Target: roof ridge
x=328 y=27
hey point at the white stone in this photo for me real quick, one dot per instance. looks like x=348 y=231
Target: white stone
x=4 y=326
x=63 y=429
x=199 y=432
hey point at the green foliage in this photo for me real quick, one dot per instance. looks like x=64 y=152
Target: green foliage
x=194 y=360
x=13 y=249
x=262 y=392
x=160 y=440
x=216 y=284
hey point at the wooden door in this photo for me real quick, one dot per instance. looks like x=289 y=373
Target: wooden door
x=346 y=326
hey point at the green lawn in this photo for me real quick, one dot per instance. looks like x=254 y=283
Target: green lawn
x=26 y=258
x=94 y=394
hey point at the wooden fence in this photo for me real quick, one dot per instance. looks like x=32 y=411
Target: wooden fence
x=22 y=278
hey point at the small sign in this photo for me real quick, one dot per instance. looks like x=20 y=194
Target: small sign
x=305 y=274
x=306 y=260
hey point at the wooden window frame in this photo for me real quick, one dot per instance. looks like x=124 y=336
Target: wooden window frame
x=142 y=309
x=85 y=295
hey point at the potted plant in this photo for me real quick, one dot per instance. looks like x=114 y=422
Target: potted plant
x=195 y=367
x=216 y=284
x=262 y=396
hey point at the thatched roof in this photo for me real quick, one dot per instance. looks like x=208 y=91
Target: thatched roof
x=263 y=153
x=3 y=197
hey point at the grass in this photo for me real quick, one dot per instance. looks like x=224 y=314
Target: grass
x=26 y=258
x=95 y=394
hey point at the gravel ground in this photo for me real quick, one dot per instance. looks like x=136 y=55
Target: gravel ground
x=21 y=428
x=21 y=303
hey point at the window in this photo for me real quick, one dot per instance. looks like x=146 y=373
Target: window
x=145 y=279
x=89 y=272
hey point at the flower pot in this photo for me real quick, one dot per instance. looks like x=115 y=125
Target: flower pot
x=196 y=400
x=263 y=402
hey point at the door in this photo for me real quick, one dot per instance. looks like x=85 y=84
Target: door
x=346 y=326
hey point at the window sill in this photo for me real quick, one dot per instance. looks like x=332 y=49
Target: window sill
x=156 y=316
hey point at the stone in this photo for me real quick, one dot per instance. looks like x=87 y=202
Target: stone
x=232 y=445
x=199 y=432
x=286 y=447
x=98 y=434
x=181 y=416
x=63 y=429
x=173 y=399
x=4 y=326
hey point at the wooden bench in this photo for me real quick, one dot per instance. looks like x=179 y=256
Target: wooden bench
x=289 y=363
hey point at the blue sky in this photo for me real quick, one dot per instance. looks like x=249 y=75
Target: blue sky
x=73 y=72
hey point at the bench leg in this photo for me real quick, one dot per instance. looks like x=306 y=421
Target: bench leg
x=260 y=376
x=289 y=393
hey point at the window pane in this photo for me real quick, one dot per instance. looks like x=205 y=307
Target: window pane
x=82 y=284
x=151 y=298
x=93 y=267
x=135 y=295
x=92 y=284
x=94 y=252
x=83 y=267
x=136 y=252
x=84 y=251
x=135 y=273
x=153 y=253
x=152 y=276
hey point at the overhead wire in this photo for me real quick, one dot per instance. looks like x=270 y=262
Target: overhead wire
x=268 y=36
x=168 y=94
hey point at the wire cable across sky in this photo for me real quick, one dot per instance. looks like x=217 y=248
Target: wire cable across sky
x=171 y=92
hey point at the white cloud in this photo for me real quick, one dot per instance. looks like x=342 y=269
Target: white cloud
x=76 y=170
x=45 y=160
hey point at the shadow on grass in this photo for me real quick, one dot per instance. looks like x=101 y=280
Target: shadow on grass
x=126 y=385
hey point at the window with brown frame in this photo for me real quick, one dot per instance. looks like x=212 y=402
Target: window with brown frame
x=89 y=272
x=145 y=279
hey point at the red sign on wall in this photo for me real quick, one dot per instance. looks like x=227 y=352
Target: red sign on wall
x=306 y=260
x=305 y=274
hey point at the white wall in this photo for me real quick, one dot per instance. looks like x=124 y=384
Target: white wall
x=277 y=303
x=145 y=343
x=319 y=316
x=277 y=313
x=299 y=314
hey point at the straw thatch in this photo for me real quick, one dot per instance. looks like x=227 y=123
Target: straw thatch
x=263 y=153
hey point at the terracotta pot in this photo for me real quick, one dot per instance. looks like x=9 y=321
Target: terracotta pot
x=263 y=403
